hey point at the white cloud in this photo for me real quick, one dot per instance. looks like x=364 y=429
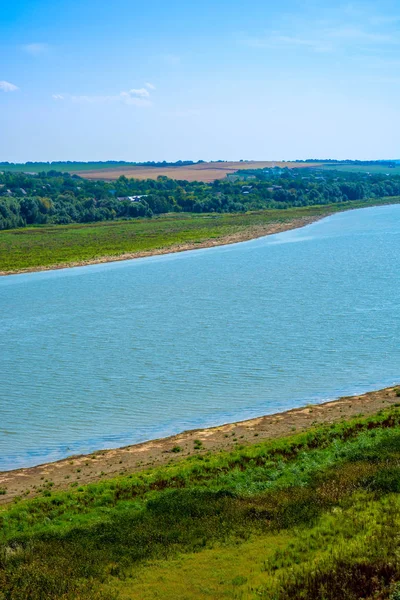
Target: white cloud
x=6 y=86
x=35 y=49
x=151 y=86
x=141 y=93
x=134 y=97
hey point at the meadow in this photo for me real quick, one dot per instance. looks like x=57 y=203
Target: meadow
x=32 y=248
x=313 y=516
x=71 y=167
x=373 y=169
x=207 y=172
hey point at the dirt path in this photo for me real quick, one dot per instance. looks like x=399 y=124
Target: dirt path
x=109 y=463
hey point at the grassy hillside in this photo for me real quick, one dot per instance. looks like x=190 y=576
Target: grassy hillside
x=314 y=516
x=45 y=246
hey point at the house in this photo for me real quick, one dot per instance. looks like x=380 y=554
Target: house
x=132 y=198
x=246 y=189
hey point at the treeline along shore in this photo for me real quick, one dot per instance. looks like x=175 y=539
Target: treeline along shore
x=56 y=198
x=60 y=246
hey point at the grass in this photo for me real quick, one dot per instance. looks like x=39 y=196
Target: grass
x=314 y=516
x=373 y=169
x=64 y=167
x=47 y=246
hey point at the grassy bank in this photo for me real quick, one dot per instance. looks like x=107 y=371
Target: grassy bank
x=314 y=516
x=40 y=247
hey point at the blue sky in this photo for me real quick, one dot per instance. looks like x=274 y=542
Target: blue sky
x=157 y=80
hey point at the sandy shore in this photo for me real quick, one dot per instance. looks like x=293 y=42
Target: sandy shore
x=106 y=464
x=241 y=236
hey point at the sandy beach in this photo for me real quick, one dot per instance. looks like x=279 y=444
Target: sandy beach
x=106 y=464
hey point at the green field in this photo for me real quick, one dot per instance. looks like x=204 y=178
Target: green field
x=373 y=169
x=64 y=167
x=314 y=516
x=33 y=247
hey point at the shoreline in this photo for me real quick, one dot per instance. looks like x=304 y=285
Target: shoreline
x=106 y=464
x=246 y=235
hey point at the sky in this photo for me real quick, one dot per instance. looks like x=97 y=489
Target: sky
x=221 y=80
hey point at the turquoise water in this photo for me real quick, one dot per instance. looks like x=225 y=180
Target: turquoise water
x=113 y=354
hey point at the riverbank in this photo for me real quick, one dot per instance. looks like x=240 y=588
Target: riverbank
x=253 y=232
x=44 y=248
x=105 y=464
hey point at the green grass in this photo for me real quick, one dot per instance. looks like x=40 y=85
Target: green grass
x=34 y=247
x=314 y=517
x=374 y=169
x=63 y=167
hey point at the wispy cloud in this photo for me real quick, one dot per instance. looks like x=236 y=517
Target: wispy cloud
x=350 y=27
x=140 y=97
x=6 y=86
x=150 y=86
x=140 y=93
x=280 y=41
x=135 y=97
x=357 y=34
x=35 y=49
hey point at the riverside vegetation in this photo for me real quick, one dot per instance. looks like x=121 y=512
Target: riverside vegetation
x=57 y=198
x=311 y=517
x=32 y=248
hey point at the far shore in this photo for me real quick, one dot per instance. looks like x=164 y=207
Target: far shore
x=245 y=235
x=106 y=464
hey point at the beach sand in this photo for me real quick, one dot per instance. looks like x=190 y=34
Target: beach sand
x=106 y=464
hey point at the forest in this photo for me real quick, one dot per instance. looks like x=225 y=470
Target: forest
x=60 y=198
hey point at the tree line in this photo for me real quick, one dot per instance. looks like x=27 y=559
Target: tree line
x=60 y=198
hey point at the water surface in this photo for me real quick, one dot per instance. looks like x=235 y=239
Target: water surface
x=113 y=354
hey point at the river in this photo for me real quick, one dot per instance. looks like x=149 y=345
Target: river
x=113 y=354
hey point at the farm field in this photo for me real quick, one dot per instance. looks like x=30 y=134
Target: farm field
x=373 y=169
x=35 y=248
x=310 y=516
x=205 y=172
